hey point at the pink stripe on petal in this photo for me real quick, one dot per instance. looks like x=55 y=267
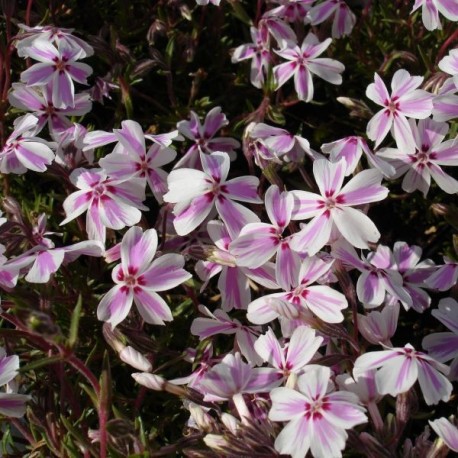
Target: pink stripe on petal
x=234 y=215
x=166 y=272
x=115 y=305
x=243 y=188
x=152 y=307
x=379 y=126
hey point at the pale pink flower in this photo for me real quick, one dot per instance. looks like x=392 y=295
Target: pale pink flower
x=447 y=431
x=233 y=282
x=70 y=144
x=378 y=327
x=280 y=143
x=258 y=242
x=302 y=296
x=139 y=278
x=291 y=10
x=414 y=273
x=425 y=162
x=259 y=53
x=332 y=208
x=317 y=419
x=351 y=149
x=401 y=367
x=343 y=22
x=219 y=322
x=405 y=101
x=23 y=150
x=57 y=67
x=43 y=260
x=303 y=61
x=38 y=100
x=203 y=137
x=443 y=346
x=363 y=385
x=293 y=357
x=196 y=192
x=277 y=27
x=379 y=275
x=131 y=159
x=430 y=10
x=11 y=404
x=233 y=376
x=51 y=34
x=109 y=203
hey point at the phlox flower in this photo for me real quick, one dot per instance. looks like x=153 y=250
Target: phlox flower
x=301 y=296
x=425 y=162
x=430 y=10
x=291 y=10
x=259 y=53
x=317 y=419
x=138 y=279
x=447 y=431
x=203 y=137
x=258 y=242
x=379 y=275
x=109 y=203
x=233 y=376
x=344 y=19
x=303 y=61
x=414 y=273
x=281 y=143
x=351 y=149
x=23 y=150
x=51 y=34
x=405 y=101
x=331 y=210
x=38 y=100
x=196 y=192
x=43 y=260
x=293 y=357
x=57 y=67
x=219 y=322
x=233 y=282
x=131 y=159
x=70 y=144
x=378 y=327
x=399 y=369
x=443 y=346
x=11 y=404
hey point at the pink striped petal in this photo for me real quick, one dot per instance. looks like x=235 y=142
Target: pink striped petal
x=379 y=126
x=166 y=272
x=447 y=432
x=378 y=92
x=234 y=215
x=243 y=188
x=115 y=305
x=314 y=236
x=279 y=206
x=152 y=308
x=365 y=187
x=46 y=263
x=435 y=386
x=303 y=83
x=234 y=288
x=326 y=303
x=188 y=215
x=268 y=347
x=138 y=249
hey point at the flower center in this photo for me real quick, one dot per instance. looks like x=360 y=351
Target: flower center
x=99 y=190
x=130 y=280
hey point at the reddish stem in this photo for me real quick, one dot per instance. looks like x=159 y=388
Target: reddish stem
x=446 y=44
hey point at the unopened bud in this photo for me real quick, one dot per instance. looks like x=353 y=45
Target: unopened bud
x=135 y=359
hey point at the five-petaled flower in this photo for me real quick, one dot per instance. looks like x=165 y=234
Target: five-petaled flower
x=317 y=419
x=138 y=279
x=303 y=61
